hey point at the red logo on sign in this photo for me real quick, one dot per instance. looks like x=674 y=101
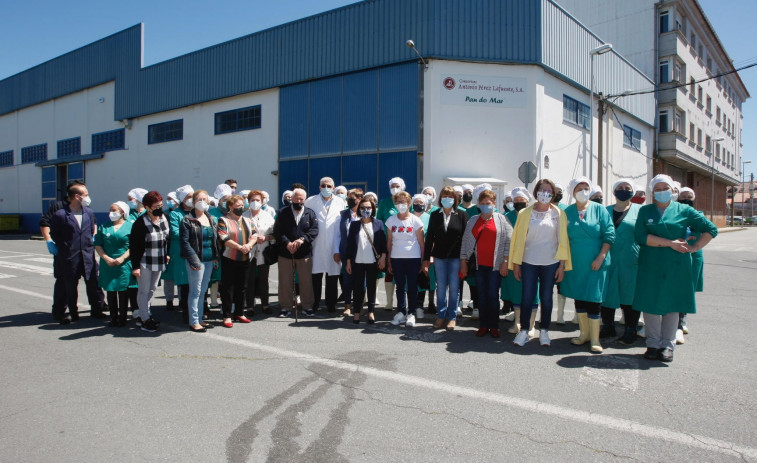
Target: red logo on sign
x=449 y=83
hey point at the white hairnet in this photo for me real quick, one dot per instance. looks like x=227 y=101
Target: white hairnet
x=621 y=181
x=520 y=192
x=687 y=189
x=575 y=182
x=457 y=189
x=433 y=191
x=595 y=189
x=420 y=196
x=370 y=193
x=558 y=186
x=221 y=191
x=183 y=191
x=123 y=206
x=467 y=186
x=266 y=197
x=137 y=193
x=398 y=181
x=172 y=196
x=660 y=178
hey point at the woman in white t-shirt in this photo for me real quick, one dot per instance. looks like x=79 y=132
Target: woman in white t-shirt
x=405 y=248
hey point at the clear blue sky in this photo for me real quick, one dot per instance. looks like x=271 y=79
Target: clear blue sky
x=36 y=31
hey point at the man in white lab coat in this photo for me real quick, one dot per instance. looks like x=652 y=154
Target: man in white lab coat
x=327 y=207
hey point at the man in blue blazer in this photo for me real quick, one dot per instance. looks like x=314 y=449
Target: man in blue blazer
x=72 y=228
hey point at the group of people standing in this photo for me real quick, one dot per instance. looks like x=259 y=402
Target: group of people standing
x=641 y=259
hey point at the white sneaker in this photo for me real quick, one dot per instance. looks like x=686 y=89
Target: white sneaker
x=685 y=329
x=533 y=333
x=510 y=316
x=419 y=314
x=474 y=314
x=410 y=321
x=521 y=338
x=398 y=319
x=640 y=332
x=544 y=338
x=459 y=313
x=679 y=337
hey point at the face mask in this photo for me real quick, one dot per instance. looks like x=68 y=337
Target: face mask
x=510 y=206
x=86 y=201
x=544 y=197
x=246 y=204
x=326 y=192
x=402 y=208
x=342 y=196
x=222 y=207
x=133 y=204
x=365 y=213
x=298 y=206
x=189 y=203
x=238 y=211
x=394 y=191
x=486 y=208
x=429 y=199
x=623 y=195
x=419 y=208
x=598 y=200
x=233 y=191
x=256 y=205
x=171 y=204
x=351 y=202
x=688 y=202
x=448 y=202
x=582 y=196
x=663 y=196
x=519 y=206
x=674 y=197
x=157 y=212
x=557 y=198
x=114 y=216
x=287 y=202
x=202 y=206
x=467 y=197
x=638 y=199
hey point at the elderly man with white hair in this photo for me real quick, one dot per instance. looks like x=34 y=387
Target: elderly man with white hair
x=295 y=230
x=665 y=281
x=327 y=208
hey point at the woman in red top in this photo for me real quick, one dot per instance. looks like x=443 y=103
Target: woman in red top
x=488 y=236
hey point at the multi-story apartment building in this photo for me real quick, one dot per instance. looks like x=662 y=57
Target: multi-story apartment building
x=699 y=92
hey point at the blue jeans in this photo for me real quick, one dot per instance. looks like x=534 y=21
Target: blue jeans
x=198 y=285
x=531 y=275
x=487 y=282
x=447 y=279
x=406 y=277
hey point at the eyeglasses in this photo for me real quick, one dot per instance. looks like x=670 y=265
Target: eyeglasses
x=327 y=186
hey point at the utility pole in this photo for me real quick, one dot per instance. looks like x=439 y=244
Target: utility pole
x=751 y=193
x=600 y=118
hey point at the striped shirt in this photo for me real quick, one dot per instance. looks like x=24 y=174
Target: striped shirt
x=237 y=231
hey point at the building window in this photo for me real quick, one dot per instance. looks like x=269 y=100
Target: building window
x=701 y=51
x=664 y=21
x=717 y=115
x=631 y=137
x=699 y=94
x=663 y=122
x=693 y=42
x=709 y=65
x=69 y=147
x=108 y=141
x=166 y=131
x=6 y=158
x=692 y=84
x=708 y=145
x=34 y=153
x=680 y=125
x=692 y=131
x=708 y=105
x=664 y=71
x=575 y=112
x=699 y=138
x=238 y=119
x=678 y=74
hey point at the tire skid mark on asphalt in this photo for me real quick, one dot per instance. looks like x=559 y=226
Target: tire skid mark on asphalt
x=533 y=406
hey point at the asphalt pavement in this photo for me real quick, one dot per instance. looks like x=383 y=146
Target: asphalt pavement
x=326 y=390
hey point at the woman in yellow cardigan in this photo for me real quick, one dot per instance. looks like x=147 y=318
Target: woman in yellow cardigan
x=539 y=253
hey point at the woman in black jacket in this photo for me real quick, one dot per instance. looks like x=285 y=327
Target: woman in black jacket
x=366 y=255
x=445 y=234
x=198 y=236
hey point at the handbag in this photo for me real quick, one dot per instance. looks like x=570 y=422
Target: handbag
x=270 y=254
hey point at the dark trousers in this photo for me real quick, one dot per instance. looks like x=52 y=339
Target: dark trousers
x=184 y=302
x=232 y=287
x=345 y=279
x=71 y=289
x=487 y=282
x=473 y=293
x=363 y=278
x=118 y=302
x=132 y=294
x=257 y=284
x=332 y=290
x=59 y=292
x=591 y=308
x=406 y=279
x=532 y=276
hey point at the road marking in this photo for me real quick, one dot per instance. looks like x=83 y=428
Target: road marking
x=17 y=256
x=5 y=275
x=570 y=414
x=612 y=371
x=44 y=260
x=33 y=294
x=27 y=267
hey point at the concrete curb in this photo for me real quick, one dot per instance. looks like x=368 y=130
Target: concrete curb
x=731 y=229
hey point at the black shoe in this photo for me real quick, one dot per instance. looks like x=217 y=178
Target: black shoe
x=285 y=314
x=666 y=354
x=149 y=326
x=121 y=323
x=309 y=313
x=356 y=321
x=198 y=330
x=75 y=317
x=65 y=321
x=651 y=354
x=628 y=338
x=431 y=309
x=607 y=331
x=169 y=306
x=332 y=309
x=371 y=321
x=267 y=311
x=113 y=323
x=157 y=322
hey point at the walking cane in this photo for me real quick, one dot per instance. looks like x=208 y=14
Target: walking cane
x=294 y=293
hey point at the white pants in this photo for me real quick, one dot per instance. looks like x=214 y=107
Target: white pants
x=661 y=330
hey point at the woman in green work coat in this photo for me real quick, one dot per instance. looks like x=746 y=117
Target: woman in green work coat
x=510 y=288
x=591 y=234
x=624 y=260
x=177 y=265
x=112 y=245
x=665 y=282
x=386 y=209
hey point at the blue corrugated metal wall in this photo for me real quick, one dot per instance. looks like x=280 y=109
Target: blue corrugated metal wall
x=361 y=111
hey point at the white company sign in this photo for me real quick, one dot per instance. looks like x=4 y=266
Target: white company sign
x=489 y=91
